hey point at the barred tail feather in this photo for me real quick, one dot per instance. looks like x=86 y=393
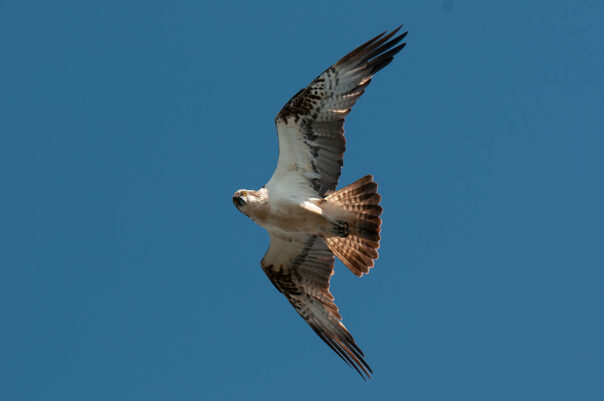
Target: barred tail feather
x=358 y=249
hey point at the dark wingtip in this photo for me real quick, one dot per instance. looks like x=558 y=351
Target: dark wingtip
x=381 y=48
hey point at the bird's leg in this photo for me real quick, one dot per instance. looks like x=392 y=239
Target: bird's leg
x=341 y=228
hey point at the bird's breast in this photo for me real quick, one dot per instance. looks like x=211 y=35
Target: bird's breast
x=294 y=217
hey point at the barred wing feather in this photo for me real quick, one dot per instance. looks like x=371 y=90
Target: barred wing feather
x=310 y=126
x=300 y=268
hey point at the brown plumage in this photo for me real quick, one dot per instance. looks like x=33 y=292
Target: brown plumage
x=359 y=248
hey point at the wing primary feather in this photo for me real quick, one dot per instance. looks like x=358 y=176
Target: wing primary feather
x=335 y=345
x=336 y=349
x=364 y=51
x=383 y=60
x=360 y=48
x=380 y=45
x=385 y=46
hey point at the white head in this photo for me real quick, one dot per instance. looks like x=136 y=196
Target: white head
x=250 y=202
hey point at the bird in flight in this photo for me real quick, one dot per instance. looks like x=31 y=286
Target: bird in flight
x=307 y=219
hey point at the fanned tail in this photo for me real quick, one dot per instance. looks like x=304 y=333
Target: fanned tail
x=358 y=236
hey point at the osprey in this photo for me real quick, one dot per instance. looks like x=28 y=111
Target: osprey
x=307 y=219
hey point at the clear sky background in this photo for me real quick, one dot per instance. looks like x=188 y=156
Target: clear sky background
x=127 y=274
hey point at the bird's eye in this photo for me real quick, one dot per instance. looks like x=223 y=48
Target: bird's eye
x=243 y=193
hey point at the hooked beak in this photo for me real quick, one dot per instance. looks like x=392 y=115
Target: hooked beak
x=238 y=201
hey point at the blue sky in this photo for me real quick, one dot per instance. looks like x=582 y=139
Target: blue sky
x=127 y=274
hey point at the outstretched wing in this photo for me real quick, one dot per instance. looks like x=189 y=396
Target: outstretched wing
x=310 y=125
x=300 y=268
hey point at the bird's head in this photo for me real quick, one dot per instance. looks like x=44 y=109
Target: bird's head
x=241 y=198
x=247 y=201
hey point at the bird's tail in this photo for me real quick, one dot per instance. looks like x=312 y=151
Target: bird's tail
x=357 y=233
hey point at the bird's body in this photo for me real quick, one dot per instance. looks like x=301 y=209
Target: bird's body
x=290 y=214
x=309 y=222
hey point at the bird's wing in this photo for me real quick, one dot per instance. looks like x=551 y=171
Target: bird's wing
x=300 y=268
x=310 y=125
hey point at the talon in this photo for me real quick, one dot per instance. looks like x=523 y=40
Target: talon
x=342 y=229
